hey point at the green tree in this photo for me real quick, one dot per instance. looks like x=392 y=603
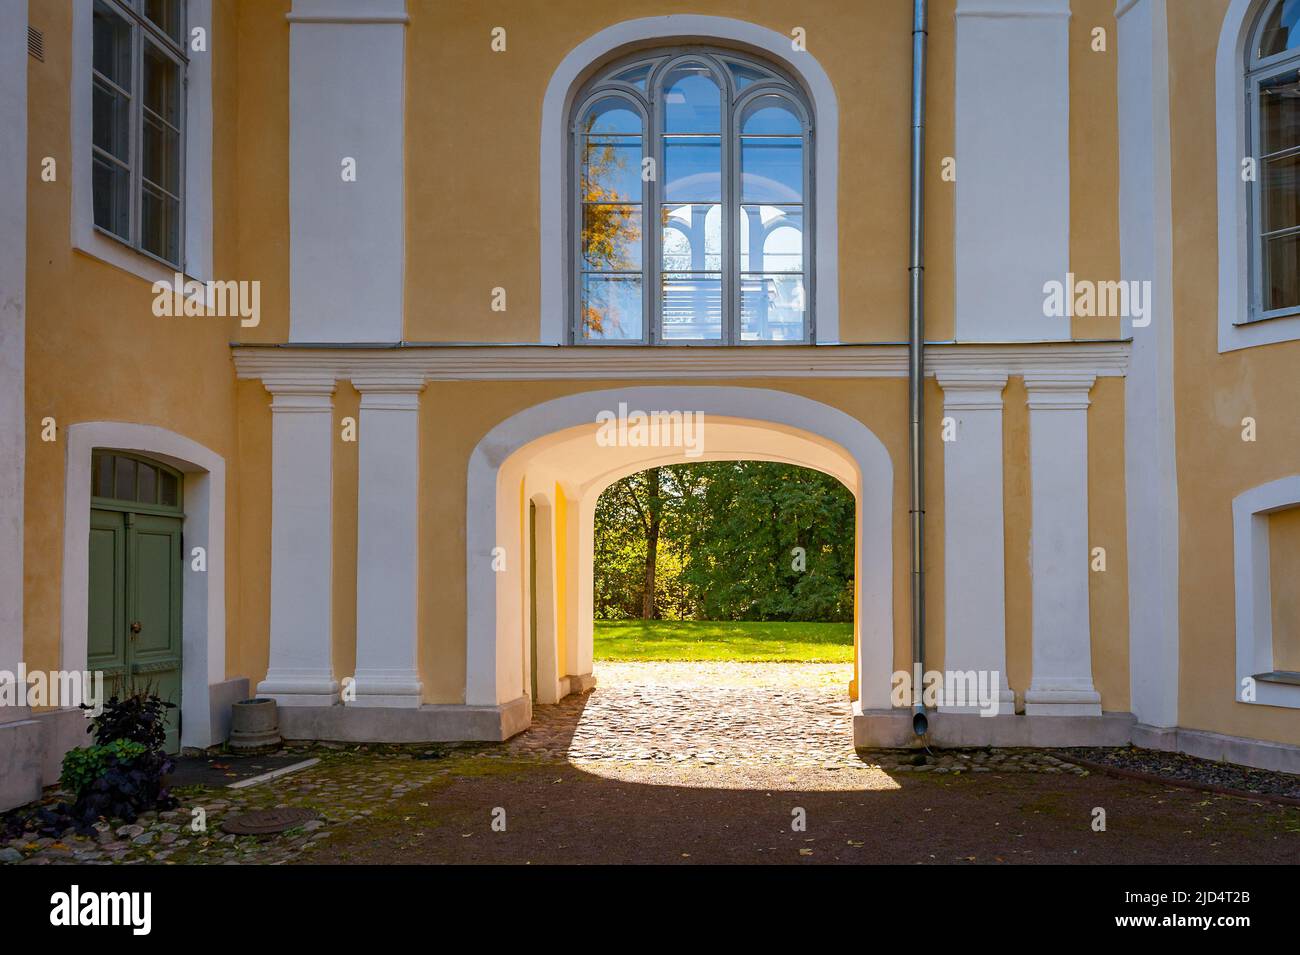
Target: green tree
x=725 y=537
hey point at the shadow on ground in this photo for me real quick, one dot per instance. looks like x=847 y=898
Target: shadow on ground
x=655 y=811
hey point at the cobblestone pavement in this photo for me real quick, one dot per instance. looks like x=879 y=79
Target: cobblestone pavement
x=778 y=715
x=797 y=714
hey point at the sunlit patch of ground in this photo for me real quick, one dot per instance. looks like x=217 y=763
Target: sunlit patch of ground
x=739 y=775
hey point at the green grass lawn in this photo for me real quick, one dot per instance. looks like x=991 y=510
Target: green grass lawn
x=724 y=640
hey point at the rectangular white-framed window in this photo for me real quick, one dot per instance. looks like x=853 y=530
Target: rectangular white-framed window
x=138 y=68
x=1265 y=531
x=142 y=135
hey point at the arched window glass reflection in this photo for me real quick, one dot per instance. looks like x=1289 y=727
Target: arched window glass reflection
x=718 y=148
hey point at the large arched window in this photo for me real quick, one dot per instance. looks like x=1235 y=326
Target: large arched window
x=692 y=202
x=1273 y=85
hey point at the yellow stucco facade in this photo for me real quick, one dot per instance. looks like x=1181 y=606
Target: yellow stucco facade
x=471 y=123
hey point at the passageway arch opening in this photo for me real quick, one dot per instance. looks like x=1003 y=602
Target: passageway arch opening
x=528 y=576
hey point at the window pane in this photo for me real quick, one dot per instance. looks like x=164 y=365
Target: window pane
x=742 y=74
x=166 y=14
x=692 y=101
x=112 y=42
x=124 y=480
x=162 y=85
x=168 y=489
x=772 y=307
x=636 y=75
x=771 y=238
x=611 y=169
x=611 y=238
x=1282 y=272
x=148 y=485
x=612 y=116
x=1282 y=31
x=692 y=238
x=1279 y=108
x=692 y=307
x=103 y=475
x=110 y=122
x=611 y=307
x=771 y=170
x=111 y=188
x=160 y=224
x=162 y=155
x=770 y=116
x=693 y=169
x=1281 y=198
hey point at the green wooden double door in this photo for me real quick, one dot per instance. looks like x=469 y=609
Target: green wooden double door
x=136 y=568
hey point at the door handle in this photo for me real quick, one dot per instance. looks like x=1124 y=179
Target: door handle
x=136 y=627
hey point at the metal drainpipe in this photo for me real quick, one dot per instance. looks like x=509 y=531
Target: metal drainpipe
x=916 y=366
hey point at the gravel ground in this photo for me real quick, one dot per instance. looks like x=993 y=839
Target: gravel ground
x=1191 y=769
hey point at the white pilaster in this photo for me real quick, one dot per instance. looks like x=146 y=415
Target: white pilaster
x=974 y=578
x=388 y=508
x=13 y=284
x=1012 y=225
x=1146 y=254
x=346 y=102
x=1061 y=684
x=300 y=671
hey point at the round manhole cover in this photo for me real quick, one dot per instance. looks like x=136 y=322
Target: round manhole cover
x=265 y=822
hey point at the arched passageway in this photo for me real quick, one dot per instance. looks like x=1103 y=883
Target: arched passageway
x=534 y=481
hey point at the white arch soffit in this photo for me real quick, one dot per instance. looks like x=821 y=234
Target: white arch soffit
x=203 y=595
x=724 y=439
x=695 y=28
x=1233 y=199
x=874 y=539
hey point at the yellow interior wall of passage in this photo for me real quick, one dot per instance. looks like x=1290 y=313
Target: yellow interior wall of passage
x=1213 y=392
x=95 y=351
x=1284 y=590
x=1094 y=157
x=472 y=154
x=560 y=522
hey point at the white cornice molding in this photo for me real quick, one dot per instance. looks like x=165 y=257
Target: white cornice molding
x=349 y=12
x=400 y=19
x=285 y=365
x=1017 y=9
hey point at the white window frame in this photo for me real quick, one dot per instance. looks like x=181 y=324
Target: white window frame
x=641 y=33
x=196 y=161
x=1253 y=581
x=1241 y=323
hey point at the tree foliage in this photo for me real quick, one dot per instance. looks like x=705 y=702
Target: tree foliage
x=728 y=534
